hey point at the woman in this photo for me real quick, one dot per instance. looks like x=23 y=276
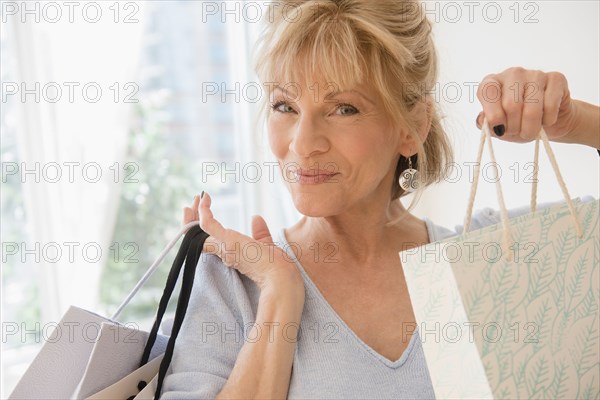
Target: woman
x=356 y=338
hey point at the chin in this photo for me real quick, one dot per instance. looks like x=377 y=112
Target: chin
x=315 y=204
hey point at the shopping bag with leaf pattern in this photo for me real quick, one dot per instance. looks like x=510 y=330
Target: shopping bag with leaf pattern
x=511 y=310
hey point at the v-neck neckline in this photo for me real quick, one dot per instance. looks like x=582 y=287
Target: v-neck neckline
x=317 y=293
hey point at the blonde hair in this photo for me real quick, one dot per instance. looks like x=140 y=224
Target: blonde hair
x=386 y=43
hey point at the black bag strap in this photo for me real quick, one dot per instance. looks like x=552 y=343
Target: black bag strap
x=168 y=290
x=193 y=255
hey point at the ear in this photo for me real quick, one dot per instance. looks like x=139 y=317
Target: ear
x=422 y=115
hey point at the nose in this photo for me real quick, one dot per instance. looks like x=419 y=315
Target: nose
x=309 y=136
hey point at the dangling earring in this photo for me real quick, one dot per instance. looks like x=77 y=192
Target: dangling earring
x=409 y=179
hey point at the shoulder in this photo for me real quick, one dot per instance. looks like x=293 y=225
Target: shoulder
x=485 y=217
x=212 y=332
x=437 y=232
x=212 y=275
x=221 y=288
x=481 y=218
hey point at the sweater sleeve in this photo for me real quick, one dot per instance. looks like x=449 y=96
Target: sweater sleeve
x=212 y=333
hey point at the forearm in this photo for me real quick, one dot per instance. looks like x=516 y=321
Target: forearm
x=264 y=364
x=586 y=129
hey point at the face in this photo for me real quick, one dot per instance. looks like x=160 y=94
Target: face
x=337 y=151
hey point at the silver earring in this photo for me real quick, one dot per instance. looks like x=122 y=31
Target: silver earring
x=409 y=178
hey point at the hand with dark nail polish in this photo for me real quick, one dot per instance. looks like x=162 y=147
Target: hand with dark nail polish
x=499 y=130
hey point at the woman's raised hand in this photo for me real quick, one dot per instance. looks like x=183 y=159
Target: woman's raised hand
x=256 y=257
x=518 y=102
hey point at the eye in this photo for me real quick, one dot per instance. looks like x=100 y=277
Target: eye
x=348 y=109
x=346 y=106
x=275 y=107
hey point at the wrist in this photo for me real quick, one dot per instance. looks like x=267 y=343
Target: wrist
x=586 y=125
x=285 y=288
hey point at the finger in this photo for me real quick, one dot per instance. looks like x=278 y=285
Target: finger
x=196 y=202
x=191 y=214
x=215 y=247
x=556 y=90
x=211 y=246
x=228 y=241
x=188 y=215
x=479 y=120
x=208 y=223
x=512 y=102
x=533 y=107
x=195 y=207
x=514 y=139
x=224 y=252
x=489 y=94
x=260 y=231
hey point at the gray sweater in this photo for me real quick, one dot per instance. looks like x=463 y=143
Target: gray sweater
x=330 y=362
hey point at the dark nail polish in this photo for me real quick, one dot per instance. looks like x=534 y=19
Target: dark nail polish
x=499 y=130
x=202 y=195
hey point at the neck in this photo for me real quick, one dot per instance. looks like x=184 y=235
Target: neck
x=360 y=238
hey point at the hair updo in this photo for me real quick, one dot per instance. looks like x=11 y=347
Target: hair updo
x=387 y=44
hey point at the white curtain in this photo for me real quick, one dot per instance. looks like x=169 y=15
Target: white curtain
x=70 y=141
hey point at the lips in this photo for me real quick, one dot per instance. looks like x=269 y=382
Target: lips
x=313 y=177
x=310 y=173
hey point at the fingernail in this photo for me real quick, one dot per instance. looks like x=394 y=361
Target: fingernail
x=202 y=195
x=499 y=130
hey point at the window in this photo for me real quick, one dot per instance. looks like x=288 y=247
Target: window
x=170 y=136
